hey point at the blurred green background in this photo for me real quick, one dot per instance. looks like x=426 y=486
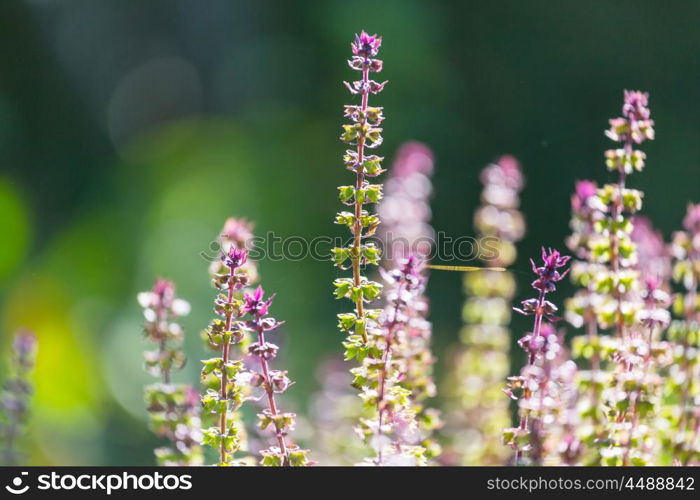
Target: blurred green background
x=130 y=130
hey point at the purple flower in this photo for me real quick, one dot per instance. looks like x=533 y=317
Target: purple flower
x=636 y=105
x=164 y=293
x=547 y=274
x=635 y=125
x=366 y=45
x=237 y=231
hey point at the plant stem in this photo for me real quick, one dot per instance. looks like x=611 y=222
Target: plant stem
x=615 y=250
x=532 y=357
x=224 y=356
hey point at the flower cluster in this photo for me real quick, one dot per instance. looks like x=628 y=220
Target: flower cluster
x=405 y=209
x=477 y=411
x=631 y=395
x=16 y=392
x=530 y=387
x=273 y=382
x=613 y=244
x=221 y=374
x=621 y=274
x=173 y=408
x=384 y=378
x=631 y=398
x=236 y=233
x=682 y=383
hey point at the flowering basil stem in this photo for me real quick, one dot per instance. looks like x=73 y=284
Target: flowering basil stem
x=581 y=311
x=392 y=428
x=15 y=396
x=612 y=244
x=682 y=384
x=476 y=409
x=364 y=133
x=220 y=374
x=273 y=382
x=527 y=437
x=405 y=214
x=631 y=395
x=406 y=233
x=173 y=408
x=361 y=325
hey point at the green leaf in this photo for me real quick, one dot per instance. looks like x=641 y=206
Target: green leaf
x=346 y=193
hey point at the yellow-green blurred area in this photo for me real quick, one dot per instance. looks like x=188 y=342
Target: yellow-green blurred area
x=130 y=130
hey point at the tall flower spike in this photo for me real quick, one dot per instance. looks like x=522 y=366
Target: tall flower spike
x=174 y=413
x=15 y=396
x=405 y=233
x=220 y=374
x=363 y=133
x=613 y=245
x=387 y=388
x=273 y=382
x=631 y=391
x=528 y=436
x=477 y=413
x=581 y=311
x=232 y=243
